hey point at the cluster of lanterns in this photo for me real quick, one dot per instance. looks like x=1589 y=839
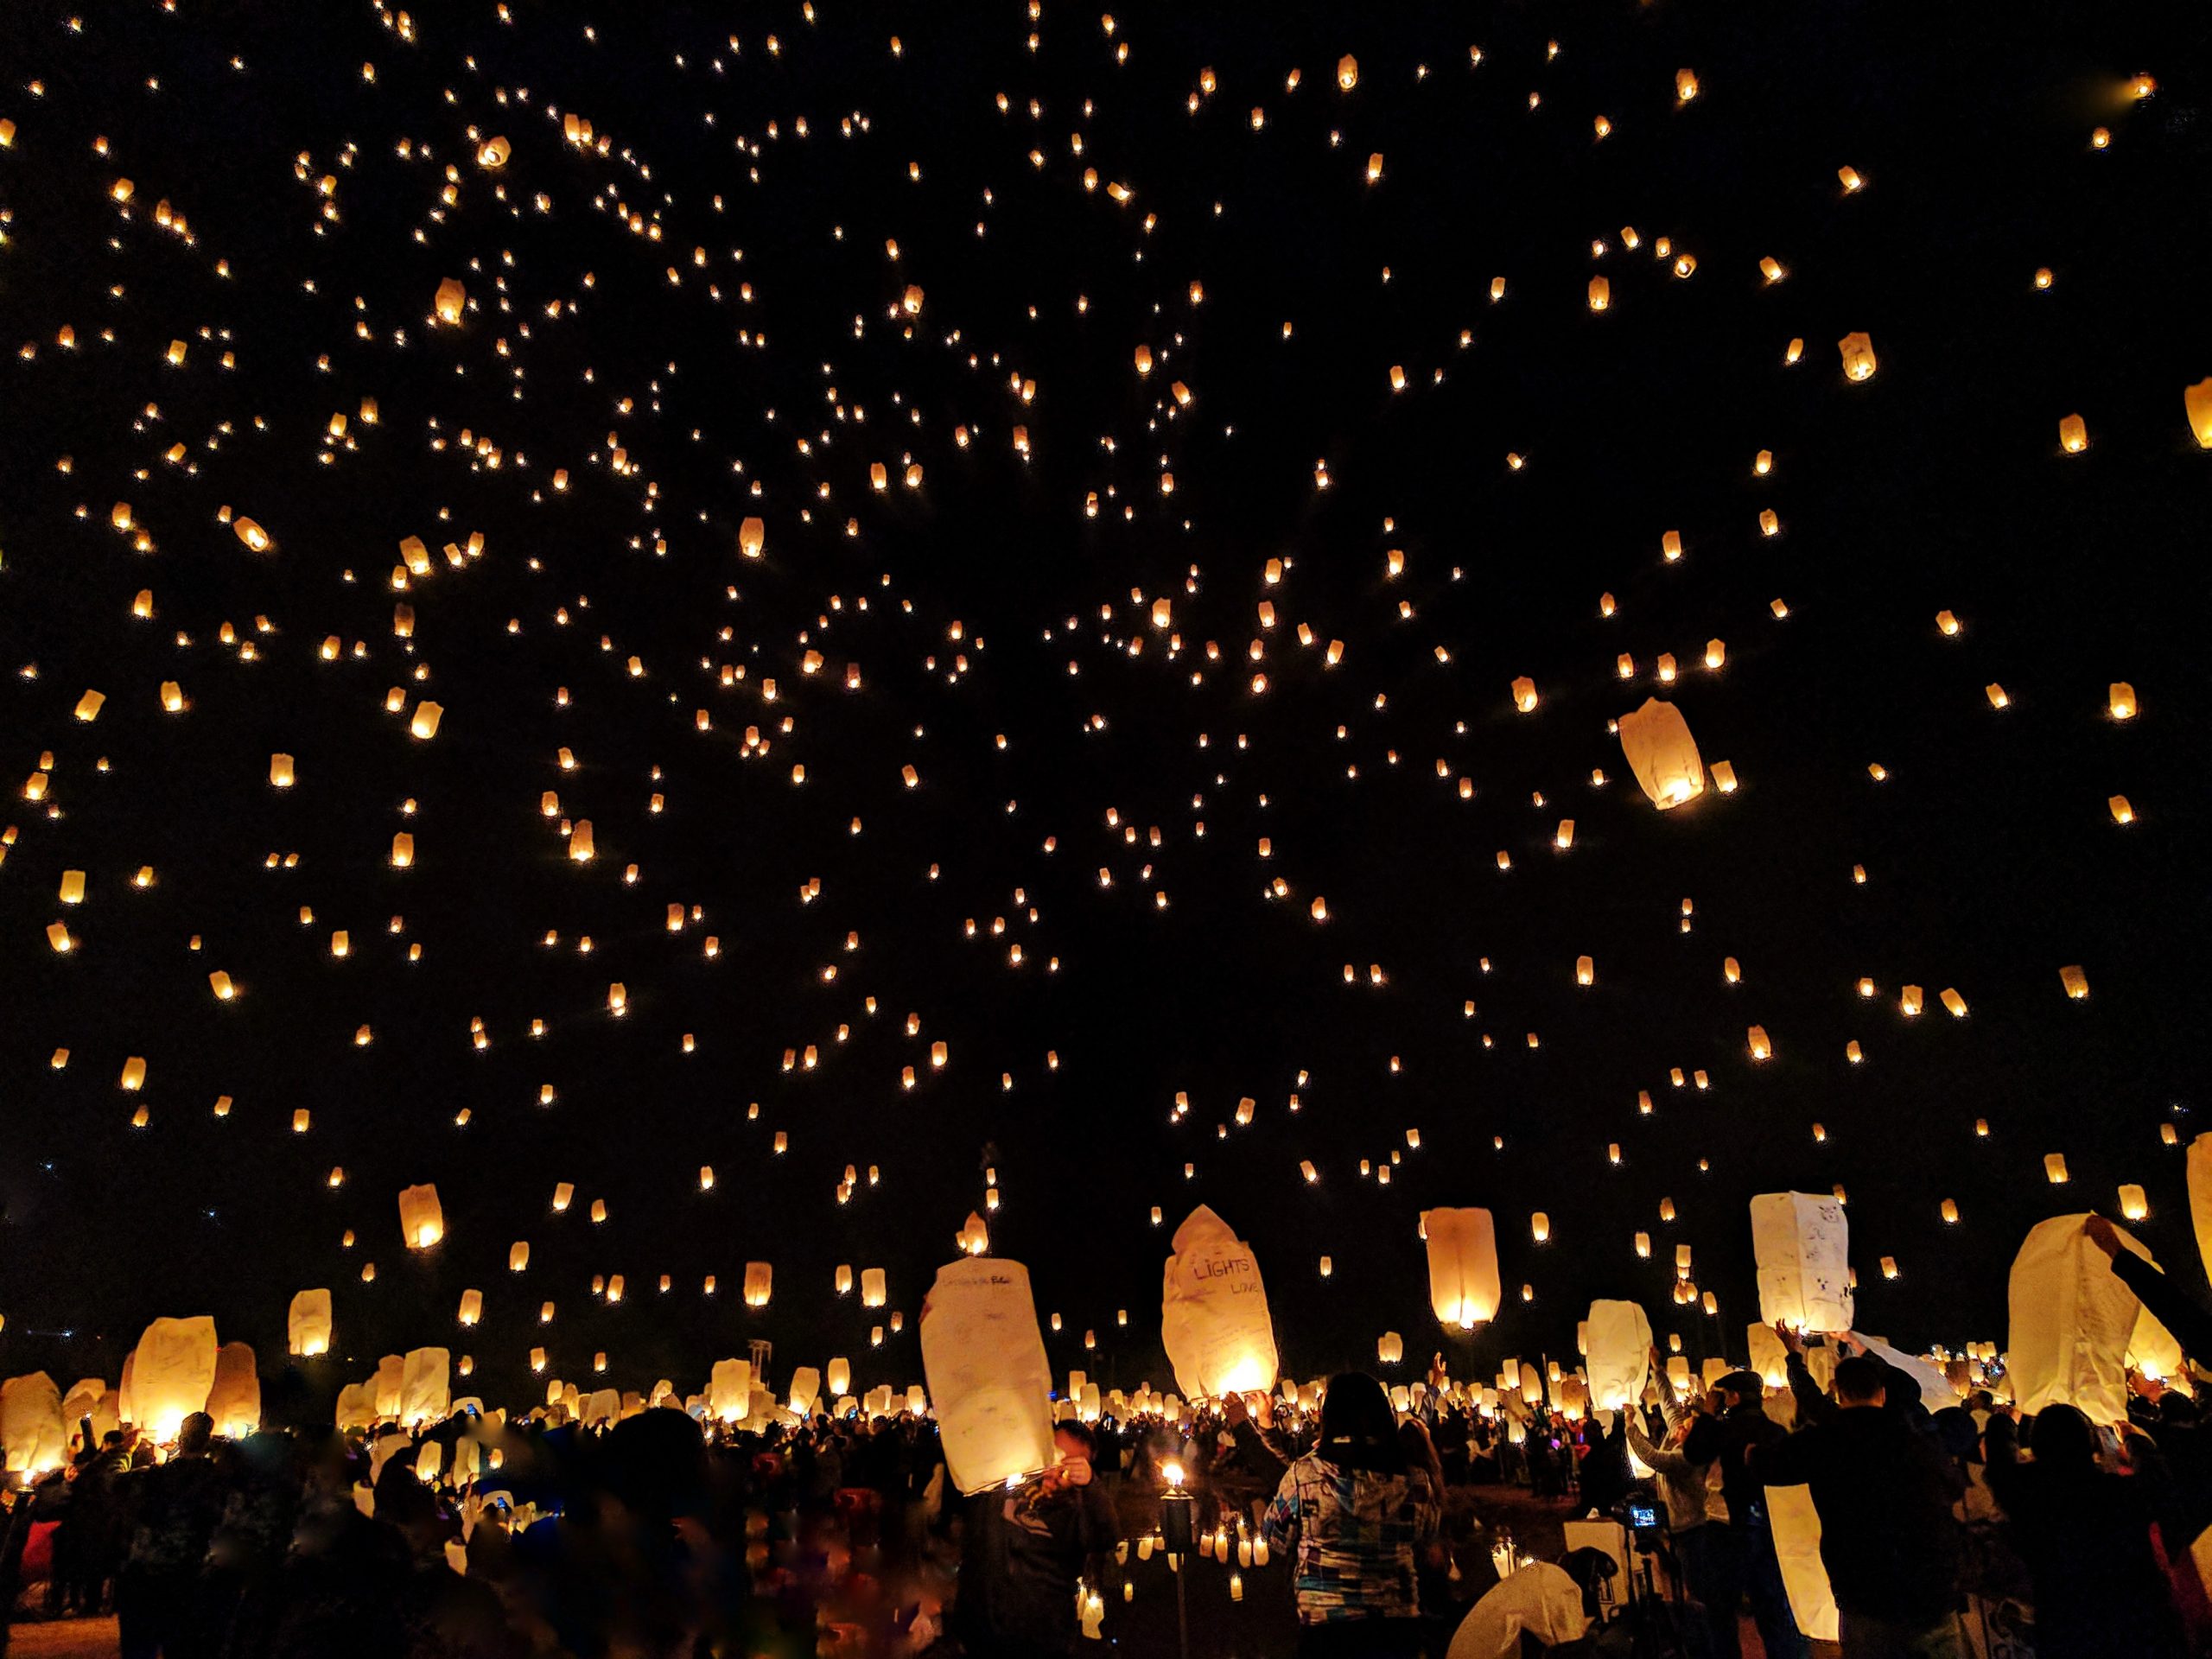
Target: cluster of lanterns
x=391 y=712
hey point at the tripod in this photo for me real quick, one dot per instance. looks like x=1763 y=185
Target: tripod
x=1655 y=1620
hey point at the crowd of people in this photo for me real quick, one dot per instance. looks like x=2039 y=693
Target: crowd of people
x=1946 y=1529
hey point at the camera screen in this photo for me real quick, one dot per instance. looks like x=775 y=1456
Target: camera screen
x=1642 y=1515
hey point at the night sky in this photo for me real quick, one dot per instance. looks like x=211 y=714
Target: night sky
x=1112 y=694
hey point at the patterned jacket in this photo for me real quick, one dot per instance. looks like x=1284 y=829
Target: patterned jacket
x=1356 y=1533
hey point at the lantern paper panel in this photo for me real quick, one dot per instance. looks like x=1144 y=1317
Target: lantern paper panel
x=1619 y=1336
x=234 y=1397
x=984 y=1356
x=1464 y=1285
x=2071 y=1321
x=1213 y=1315
x=1795 y=1525
x=32 y=1432
x=1802 y=1244
x=1656 y=741
x=307 y=1323
x=173 y=1368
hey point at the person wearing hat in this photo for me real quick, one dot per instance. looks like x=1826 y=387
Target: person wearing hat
x=1742 y=1558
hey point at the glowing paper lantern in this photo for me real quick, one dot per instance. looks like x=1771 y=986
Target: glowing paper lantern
x=1213 y=1313
x=1857 y=352
x=1768 y=1357
x=425 y=1391
x=1802 y=1244
x=1796 y=1528
x=984 y=1359
x=32 y=1436
x=1391 y=1349
x=760 y=1279
x=307 y=1323
x=729 y=1390
x=1619 y=1353
x=2197 y=400
x=172 y=1369
x=1656 y=742
x=421 y=1222
x=448 y=300
x=2200 y=1196
x=873 y=1289
x=234 y=1397
x=2071 y=1318
x=356 y=1406
x=1463 y=1278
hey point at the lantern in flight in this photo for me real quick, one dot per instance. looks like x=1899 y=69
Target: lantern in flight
x=422 y=1221
x=1656 y=742
x=1463 y=1286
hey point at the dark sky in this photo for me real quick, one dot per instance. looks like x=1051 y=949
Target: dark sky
x=995 y=627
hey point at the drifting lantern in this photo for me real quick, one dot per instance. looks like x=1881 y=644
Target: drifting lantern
x=2197 y=402
x=422 y=1221
x=1463 y=1274
x=1656 y=742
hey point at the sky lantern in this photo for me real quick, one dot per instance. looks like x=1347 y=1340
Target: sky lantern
x=2071 y=1320
x=422 y=1221
x=989 y=1381
x=449 y=301
x=307 y=1323
x=1618 y=1346
x=1347 y=72
x=1214 y=1319
x=1463 y=1274
x=1857 y=352
x=1802 y=1243
x=169 y=1373
x=2197 y=402
x=1656 y=741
